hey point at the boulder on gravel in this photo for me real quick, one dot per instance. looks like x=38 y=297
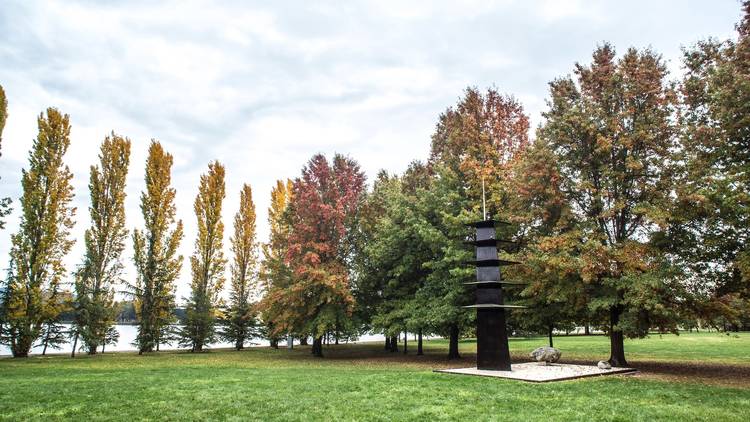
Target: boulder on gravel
x=545 y=354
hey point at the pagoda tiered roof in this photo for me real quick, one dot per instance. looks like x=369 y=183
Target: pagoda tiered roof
x=491 y=263
x=520 y=283
x=489 y=242
x=494 y=306
x=487 y=223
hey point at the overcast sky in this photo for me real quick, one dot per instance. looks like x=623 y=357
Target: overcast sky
x=262 y=88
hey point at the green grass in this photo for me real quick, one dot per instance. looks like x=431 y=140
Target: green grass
x=687 y=347
x=362 y=382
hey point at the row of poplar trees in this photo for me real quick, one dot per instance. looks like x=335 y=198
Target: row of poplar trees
x=36 y=290
x=629 y=212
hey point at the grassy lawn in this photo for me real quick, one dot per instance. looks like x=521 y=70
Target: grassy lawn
x=363 y=382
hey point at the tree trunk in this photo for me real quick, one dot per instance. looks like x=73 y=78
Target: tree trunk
x=419 y=343
x=394 y=344
x=453 y=343
x=406 y=342
x=387 y=343
x=46 y=340
x=616 y=339
x=586 y=330
x=317 y=347
x=75 y=344
x=549 y=333
x=303 y=341
x=22 y=346
x=274 y=343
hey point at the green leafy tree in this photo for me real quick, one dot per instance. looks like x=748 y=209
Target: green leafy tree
x=155 y=252
x=441 y=212
x=611 y=134
x=102 y=266
x=392 y=255
x=238 y=325
x=111 y=337
x=54 y=335
x=369 y=267
x=207 y=262
x=37 y=251
x=710 y=229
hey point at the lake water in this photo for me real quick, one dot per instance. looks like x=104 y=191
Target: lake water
x=129 y=332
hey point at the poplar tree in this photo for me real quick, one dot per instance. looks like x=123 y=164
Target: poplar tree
x=37 y=250
x=155 y=252
x=275 y=273
x=105 y=241
x=238 y=323
x=4 y=202
x=207 y=262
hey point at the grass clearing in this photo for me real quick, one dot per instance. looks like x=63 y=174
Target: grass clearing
x=363 y=382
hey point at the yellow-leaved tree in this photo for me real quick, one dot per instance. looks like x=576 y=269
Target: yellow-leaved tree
x=207 y=262
x=33 y=296
x=155 y=252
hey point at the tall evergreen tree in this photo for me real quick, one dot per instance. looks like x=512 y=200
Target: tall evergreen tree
x=155 y=252
x=105 y=241
x=38 y=249
x=54 y=335
x=4 y=202
x=239 y=322
x=207 y=262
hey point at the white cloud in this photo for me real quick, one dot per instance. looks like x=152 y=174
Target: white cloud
x=263 y=86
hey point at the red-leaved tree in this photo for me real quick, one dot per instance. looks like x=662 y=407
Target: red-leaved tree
x=324 y=204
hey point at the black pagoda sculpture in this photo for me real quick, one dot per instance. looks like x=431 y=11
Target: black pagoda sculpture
x=492 y=336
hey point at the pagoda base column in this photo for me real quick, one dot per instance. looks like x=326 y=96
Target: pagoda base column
x=492 y=340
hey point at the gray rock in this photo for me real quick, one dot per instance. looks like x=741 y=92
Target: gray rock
x=545 y=354
x=603 y=365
